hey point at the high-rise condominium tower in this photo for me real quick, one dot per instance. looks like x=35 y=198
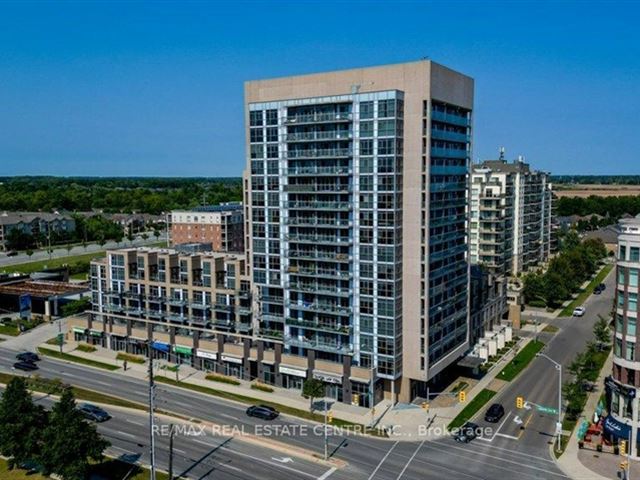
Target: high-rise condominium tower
x=355 y=194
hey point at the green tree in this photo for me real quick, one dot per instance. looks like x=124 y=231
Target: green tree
x=69 y=441
x=130 y=235
x=29 y=253
x=602 y=332
x=312 y=389
x=76 y=306
x=156 y=233
x=21 y=423
x=145 y=236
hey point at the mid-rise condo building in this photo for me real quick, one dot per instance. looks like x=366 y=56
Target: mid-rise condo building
x=221 y=226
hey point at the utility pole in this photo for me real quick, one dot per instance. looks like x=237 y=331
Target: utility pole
x=326 y=438
x=171 y=451
x=152 y=448
x=559 y=424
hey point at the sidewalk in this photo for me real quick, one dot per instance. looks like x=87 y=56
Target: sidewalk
x=190 y=375
x=586 y=464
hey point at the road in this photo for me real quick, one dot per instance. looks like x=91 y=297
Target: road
x=77 y=250
x=508 y=453
x=539 y=382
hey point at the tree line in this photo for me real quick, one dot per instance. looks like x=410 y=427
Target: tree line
x=114 y=195
x=613 y=207
x=576 y=263
x=597 y=179
x=59 y=441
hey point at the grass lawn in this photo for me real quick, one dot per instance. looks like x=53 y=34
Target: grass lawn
x=31 y=267
x=74 y=358
x=521 y=360
x=550 y=329
x=9 y=330
x=109 y=469
x=305 y=414
x=580 y=299
x=470 y=410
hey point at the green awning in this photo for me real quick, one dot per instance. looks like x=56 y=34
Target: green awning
x=78 y=330
x=183 y=350
x=96 y=333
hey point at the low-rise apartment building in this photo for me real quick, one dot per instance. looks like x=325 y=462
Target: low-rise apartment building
x=222 y=226
x=34 y=223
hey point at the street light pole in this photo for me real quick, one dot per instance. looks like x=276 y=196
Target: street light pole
x=559 y=369
x=326 y=439
x=152 y=447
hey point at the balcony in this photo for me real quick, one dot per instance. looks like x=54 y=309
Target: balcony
x=271 y=299
x=244 y=310
x=200 y=305
x=324 y=327
x=321 y=307
x=320 y=272
x=313 y=171
x=328 y=117
x=450 y=136
x=318 y=222
x=134 y=311
x=223 y=307
x=245 y=294
x=243 y=327
x=314 y=344
x=113 y=308
x=449 y=153
x=325 y=289
x=274 y=334
x=316 y=255
x=267 y=317
x=173 y=317
x=157 y=314
x=175 y=301
x=314 y=188
x=450 y=118
x=314 y=136
x=319 y=153
x=316 y=238
x=159 y=277
x=299 y=205
x=448 y=170
x=155 y=299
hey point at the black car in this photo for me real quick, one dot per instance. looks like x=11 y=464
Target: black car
x=92 y=412
x=25 y=366
x=494 y=413
x=28 y=357
x=466 y=433
x=602 y=287
x=262 y=411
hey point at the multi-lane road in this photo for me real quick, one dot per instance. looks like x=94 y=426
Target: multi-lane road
x=509 y=453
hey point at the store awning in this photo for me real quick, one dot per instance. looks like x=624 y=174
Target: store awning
x=96 y=333
x=616 y=428
x=183 y=350
x=163 y=347
x=79 y=330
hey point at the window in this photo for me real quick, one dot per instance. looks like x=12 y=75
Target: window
x=272 y=117
x=634 y=254
x=257 y=151
x=619 y=322
x=386 y=128
x=622 y=254
x=617 y=349
x=366 y=129
x=257 y=167
x=633 y=302
x=272 y=134
x=621 y=275
x=633 y=277
x=630 y=350
x=256 y=135
x=386 y=147
x=272 y=151
x=255 y=118
x=631 y=326
x=386 y=108
x=366 y=165
x=366 y=147
x=366 y=109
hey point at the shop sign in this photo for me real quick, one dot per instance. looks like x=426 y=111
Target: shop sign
x=292 y=371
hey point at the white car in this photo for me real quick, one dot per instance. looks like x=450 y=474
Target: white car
x=579 y=311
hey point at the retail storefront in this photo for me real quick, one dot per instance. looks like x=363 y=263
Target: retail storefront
x=292 y=377
x=118 y=342
x=80 y=334
x=138 y=346
x=183 y=354
x=207 y=360
x=332 y=384
x=96 y=337
x=160 y=350
x=232 y=366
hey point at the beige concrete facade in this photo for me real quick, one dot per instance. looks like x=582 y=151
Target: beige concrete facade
x=422 y=83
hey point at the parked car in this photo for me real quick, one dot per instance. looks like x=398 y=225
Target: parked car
x=262 y=411
x=579 y=311
x=494 y=413
x=602 y=287
x=28 y=357
x=93 y=412
x=466 y=433
x=11 y=253
x=25 y=366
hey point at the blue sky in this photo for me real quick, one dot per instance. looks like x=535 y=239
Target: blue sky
x=155 y=88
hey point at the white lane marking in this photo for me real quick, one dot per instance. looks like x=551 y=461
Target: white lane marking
x=411 y=459
x=500 y=459
x=135 y=423
x=383 y=459
x=69 y=374
x=516 y=452
x=103 y=383
x=505 y=436
x=179 y=451
x=231 y=417
x=112 y=447
x=230 y=467
x=203 y=443
x=274 y=464
x=125 y=434
x=327 y=474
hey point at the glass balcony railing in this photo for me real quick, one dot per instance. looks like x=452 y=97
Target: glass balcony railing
x=223 y=307
x=173 y=317
x=319 y=153
x=312 y=287
x=157 y=314
x=449 y=153
x=199 y=305
x=319 y=205
x=320 y=307
x=320 y=272
x=319 y=255
x=319 y=171
x=324 y=135
x=319 y=222
x=325 y=327
x=462 y=121
x=315 y=344
x=177 y=301
x=314 y=238
x=449 y=136
x=268 y=317
x=272 y=299
x=318 y=118
x=314 y=188
x=275 y=334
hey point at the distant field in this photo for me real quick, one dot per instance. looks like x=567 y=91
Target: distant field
x=600 y=190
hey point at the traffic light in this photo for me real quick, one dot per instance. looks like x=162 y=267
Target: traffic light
x=462 y=396
x=330 y=417
x=519 y=402
x=425 y=406
x=623 y=465
x=623 y=447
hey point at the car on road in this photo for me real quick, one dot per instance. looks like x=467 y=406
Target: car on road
x=494 y=413
x=579 y=311
x=262 y=411
x=466 y=433
x=11 y=253
x=25 y=366
x=28 y=357
x=93 y=412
